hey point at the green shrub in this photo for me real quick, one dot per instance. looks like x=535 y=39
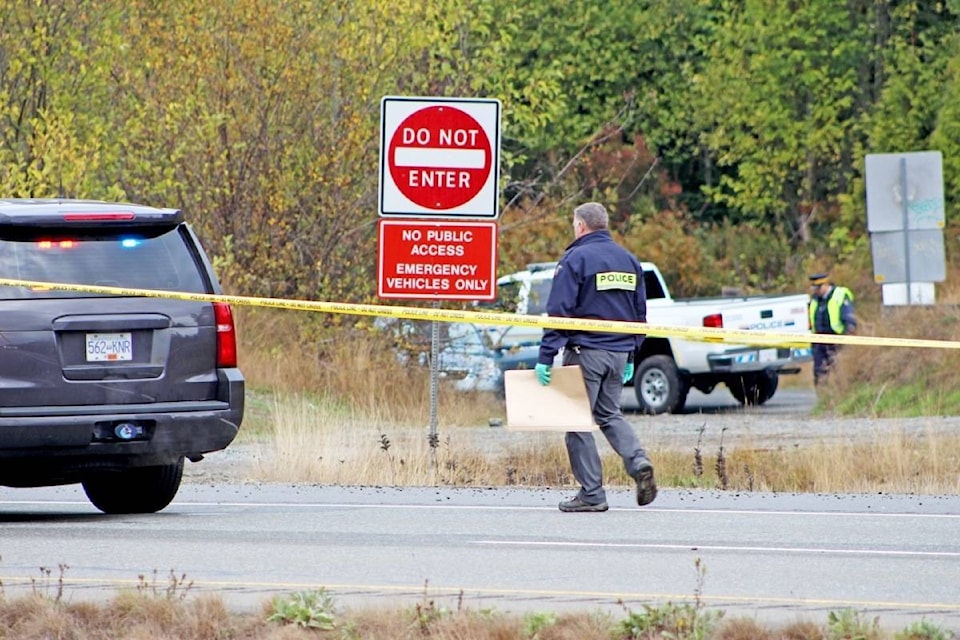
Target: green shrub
x=678 y=621
x=849 y=625
x=308 y=609
x=924 y=630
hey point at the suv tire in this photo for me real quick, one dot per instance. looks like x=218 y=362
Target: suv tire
x=136 y=490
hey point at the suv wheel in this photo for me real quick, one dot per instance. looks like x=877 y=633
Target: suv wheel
x=136 y=490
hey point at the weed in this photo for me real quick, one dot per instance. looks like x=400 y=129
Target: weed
x=177 y=587
x=848 y=624
x=722 y=464
x=307 y=609
x=674 y=621
x=701 y=577
x=924 y=630
x=677 y=621
x=697 y=456
x=427 y=612
x=534 y=623
x=42 y=587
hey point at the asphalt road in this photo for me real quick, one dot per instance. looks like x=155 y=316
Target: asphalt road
x=777 y=558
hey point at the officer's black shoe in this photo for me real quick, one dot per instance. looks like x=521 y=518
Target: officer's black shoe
x=646 y=484
x=576 y=504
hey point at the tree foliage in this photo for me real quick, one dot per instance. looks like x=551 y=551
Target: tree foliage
x=717 y=131
x=779 y=108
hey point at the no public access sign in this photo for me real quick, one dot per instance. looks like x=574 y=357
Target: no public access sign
x=439 y=157
x=450 y=260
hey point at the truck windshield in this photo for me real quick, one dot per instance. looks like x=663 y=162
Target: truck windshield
x=652 y=285
x=539 y=292
x=508 y=299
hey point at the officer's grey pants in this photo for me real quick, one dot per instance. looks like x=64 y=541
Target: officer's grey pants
x=603 y=375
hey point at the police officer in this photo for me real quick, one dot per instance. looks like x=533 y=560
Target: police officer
x=831 y=312
x=597 y=278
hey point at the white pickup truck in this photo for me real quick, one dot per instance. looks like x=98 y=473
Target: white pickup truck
x=666 y=368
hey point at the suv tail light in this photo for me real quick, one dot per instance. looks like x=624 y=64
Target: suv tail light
x=714 y=320
x=226 y=335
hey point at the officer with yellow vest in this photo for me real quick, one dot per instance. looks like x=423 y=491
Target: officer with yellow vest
x=831 y=312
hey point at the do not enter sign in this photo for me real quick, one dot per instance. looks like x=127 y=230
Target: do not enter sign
x=439 y=158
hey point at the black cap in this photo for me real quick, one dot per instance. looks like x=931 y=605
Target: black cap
x=818 y=279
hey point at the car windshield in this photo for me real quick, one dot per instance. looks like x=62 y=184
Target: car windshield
x=119 y=259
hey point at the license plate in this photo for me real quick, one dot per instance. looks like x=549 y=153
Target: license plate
x=768 y=355
x=750 y=357
x=109 y=347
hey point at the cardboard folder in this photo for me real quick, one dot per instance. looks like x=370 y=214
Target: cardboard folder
x=561 y=405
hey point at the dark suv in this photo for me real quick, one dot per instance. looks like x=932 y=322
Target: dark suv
x=111 y=391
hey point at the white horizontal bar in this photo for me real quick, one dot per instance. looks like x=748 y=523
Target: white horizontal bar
x=439 y=158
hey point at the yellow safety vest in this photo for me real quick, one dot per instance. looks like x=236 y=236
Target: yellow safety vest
x=838 y=295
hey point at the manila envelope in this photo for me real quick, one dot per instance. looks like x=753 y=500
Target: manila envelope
x=561 y=405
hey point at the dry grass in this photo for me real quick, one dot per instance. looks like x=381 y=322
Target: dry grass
x=346 y=411
x=138 y=616
x=129 y=616
x=319 y=442
x=892 y=462
x=897 y=381
x=355 y=367
x=428 y=620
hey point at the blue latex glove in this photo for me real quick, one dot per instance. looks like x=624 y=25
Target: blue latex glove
x=543 y=373
x=628 y=373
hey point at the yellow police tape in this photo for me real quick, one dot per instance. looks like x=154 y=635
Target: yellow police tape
x=708 y=334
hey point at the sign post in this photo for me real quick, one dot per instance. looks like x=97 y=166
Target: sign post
x=439 y=159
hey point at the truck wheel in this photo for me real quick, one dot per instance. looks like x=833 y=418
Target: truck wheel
x=658 y=386
x=754 y=389
x=136 y=490
x=768 y=386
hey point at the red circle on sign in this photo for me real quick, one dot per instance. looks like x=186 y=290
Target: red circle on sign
x=440 y=157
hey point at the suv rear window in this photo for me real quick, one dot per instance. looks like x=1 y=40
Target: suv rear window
x=104 y=258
